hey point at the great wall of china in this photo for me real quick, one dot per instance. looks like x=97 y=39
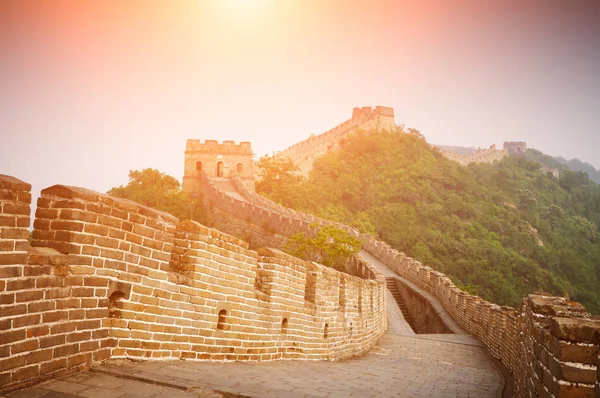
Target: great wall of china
x=108 y=278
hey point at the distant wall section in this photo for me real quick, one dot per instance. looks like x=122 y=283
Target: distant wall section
x=304 y=153
x=489 y=155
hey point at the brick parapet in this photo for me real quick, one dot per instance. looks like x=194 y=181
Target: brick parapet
x=15 y=201
x=111 y=278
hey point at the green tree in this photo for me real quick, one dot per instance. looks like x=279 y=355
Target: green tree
x=160 y=191
x=278 y=180
x=330 y=246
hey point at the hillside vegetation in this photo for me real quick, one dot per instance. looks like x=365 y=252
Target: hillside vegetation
x=564 y=164
x=499 y=231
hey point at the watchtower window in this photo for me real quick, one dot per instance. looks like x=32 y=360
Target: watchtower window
x=198 y=166
x=220 y=169
x=284 y=326
x=240 y=168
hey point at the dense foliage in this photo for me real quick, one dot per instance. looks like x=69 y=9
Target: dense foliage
x=564 y=164
x=160 y=191
x=499 y=231
x=329 y=245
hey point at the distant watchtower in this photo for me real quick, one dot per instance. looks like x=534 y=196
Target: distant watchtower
x=217 y=161
x=516 y=147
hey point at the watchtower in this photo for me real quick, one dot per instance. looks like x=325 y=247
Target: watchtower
x=217 y=161
x=516 y=147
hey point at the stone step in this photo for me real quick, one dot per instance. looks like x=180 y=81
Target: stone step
x=393 y=288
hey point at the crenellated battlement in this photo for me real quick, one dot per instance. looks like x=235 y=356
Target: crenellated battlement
x=229 y=147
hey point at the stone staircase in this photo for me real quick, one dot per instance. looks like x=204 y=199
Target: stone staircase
x=393 y=288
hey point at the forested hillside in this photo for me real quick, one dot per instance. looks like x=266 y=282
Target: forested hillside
x=564 y=164
x=500 y=231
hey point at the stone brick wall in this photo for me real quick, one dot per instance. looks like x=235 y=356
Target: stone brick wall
x=559 y=350
x=425 y=318
x=489 y=155
x=107 y=277
x=304 y=153
x=502 y=329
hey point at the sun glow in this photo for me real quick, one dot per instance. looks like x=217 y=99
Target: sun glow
x=244 y=5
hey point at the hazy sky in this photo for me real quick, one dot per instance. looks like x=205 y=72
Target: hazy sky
x=92 y=89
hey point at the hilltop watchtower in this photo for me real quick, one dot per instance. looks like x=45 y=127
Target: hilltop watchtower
x=516 y=147
x=217 y=161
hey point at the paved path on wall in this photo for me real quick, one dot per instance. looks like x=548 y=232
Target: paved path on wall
x=435 y=303
x=226 y=186
x=399 y=366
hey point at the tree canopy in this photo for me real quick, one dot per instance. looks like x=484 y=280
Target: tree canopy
x=499 y=230
x=328 y=245
x=160 y=191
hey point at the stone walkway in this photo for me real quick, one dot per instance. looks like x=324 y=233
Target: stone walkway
x=399 y=366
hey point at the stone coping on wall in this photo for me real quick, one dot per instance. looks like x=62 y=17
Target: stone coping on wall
x=70 y=192
x=14 y=184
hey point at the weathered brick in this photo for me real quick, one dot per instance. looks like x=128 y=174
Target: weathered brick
x=17 y=208
x=19 y=284
x=8 y=221
x=11 y=363
x=13 y=310
x=26 y=320
x=55 y=293
x=38 y=331
x=96 y=313
x=26 y=373
x=78 y=215
x=24 y=197
x=101 y=355
x=8 y=259
x=65 y=350
x=78 y=336
x=91 y=324
x=8 y=298
x=15 y=233
x=96 y=229
x=27 y=345
x=55 y=316
x=52 y=341
x=66 y=226
x=7 y=246
x=41 y=212
x=112 y=254
x=53 y=366
x=32 y=295
x=95 y=281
